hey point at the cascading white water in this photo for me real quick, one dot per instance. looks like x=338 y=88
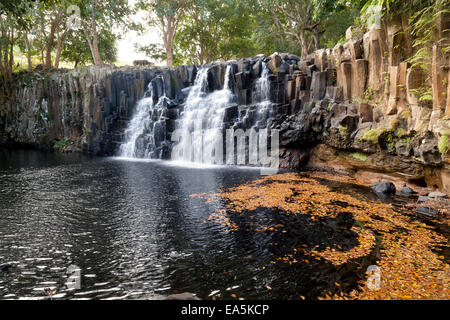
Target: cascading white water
x=202 y=123
x=263 y=85
x=146 y=130
x=263 y=93
x=203 y=118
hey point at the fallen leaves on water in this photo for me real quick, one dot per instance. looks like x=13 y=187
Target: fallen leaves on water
x=411 y=267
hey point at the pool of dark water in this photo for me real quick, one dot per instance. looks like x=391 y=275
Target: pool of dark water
x=130 y=230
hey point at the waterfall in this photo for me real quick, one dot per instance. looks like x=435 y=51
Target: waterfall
x=200 y=128
x=203 y=118
x=146 y=132
x=263 y=86
x=263 y=96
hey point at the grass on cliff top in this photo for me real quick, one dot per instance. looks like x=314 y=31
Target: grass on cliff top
x=411 y=265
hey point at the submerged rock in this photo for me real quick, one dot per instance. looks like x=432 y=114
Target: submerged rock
x=5 y=267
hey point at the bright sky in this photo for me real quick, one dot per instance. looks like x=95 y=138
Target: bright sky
x=126 y=49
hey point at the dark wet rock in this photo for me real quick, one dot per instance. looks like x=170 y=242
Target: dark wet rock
x=350 y=122
x=318 y=85
x=403 y=148
x=426 y=148
x=257 y=68
x=427 y=212
x=293 y=158
x=283 y=68
x=5 y=267
x=275 y=62
x=240 y=80
x=384 y=188
x=406 y=191
x=182 y=296
x=231 y=113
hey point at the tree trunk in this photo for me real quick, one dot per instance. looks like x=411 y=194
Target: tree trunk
x=49 y=46
x=316 y=36
x=95 y=51
x=61 y=40
x=58 y=55
x=93 y=44
x=168 y=44
x=169 y=53
x=303 y=44
x=28 y=44
x=48 y=57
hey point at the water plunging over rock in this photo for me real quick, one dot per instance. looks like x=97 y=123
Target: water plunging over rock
x=146 y=133
x=262 y=98
x=203 y=119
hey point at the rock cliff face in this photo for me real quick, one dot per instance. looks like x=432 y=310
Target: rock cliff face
x=351 y=107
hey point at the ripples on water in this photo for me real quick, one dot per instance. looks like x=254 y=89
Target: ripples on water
x=135 y=232
x=131 y=227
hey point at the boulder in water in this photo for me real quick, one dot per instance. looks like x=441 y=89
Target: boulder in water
x=407 y=191
x=384 y=188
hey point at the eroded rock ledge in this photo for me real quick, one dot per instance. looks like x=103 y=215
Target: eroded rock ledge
x=350 y=107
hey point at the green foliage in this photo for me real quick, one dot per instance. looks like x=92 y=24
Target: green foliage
x=405 y=115
x=368 y=94
x=423 y=94
x=77 y=52
x=343 y=131
x=60 y=145
x=424 y=20
x=337 y=23
x=359 y=156
x=152 y=50
x=444 y=145
x=400 y=132
x=390 y=135
x=215 y=30
x=372 y=135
